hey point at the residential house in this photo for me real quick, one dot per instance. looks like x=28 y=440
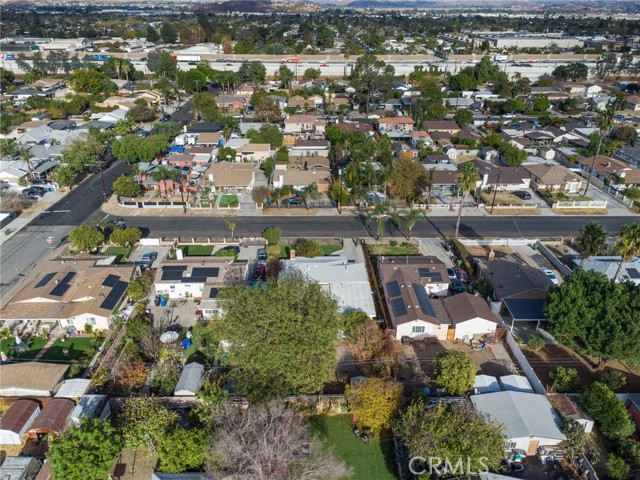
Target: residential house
x=421 y=137
x=254 y=152
x=180 y=159
x=204 y=127
x=611 y=171
x=31 y=379
x=392 y=125
x=202 y=154
x=246 y=90
x=227 y=176
x=468 y=316
x=190 y=380
x=71 y=294
x=633 y=103
x=211 y=139
x=297 y=124
x=249 y=124
x=310 y=148
x=314 y=101
x=12 y=171
x=309 y=163
x=48 y=84
x=609 y=265
x=574 y=89
x=443 y=126
x=554 y=179
x=280 y=101
x=347 y=281
x=459 y=102
x=600 y=102
x=16 y=420
x=23 y=94
x=529 y=419
x=53 y=419
x=200 y=278
x=45 y=135
x=227 y=101
x=336 y=104
x=347 y=127
x=390 y=105
x=489 y=154
x=298 y=180
x=501 y=178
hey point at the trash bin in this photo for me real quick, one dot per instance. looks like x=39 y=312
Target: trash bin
x=163 y=301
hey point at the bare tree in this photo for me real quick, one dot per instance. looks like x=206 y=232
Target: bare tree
x=269 y=442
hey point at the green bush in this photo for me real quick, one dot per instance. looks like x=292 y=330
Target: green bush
x=536 y=342
x=308 y=248
x=564 y=379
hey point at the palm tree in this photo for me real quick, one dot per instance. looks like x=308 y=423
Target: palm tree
x=411 y=219
x=276 y=195
x=231 y=225
x=629 y=244
x=591 y=240
x=26 y=157
x=125 y=126
x=380 y=215
x=308 y=192
x=605 y=123
x=467 y=179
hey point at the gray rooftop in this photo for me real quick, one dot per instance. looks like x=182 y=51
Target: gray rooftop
x=190 y=379
x=522 y=414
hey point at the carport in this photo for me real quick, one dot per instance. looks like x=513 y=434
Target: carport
x=526 y=310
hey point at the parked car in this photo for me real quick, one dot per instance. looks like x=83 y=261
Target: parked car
x=262 y=255
x=456 y=287
x=551 y=276
x=522 y=194
x=41 y=181
x=148 y=259
x=260 y=271
x=451 y=272
x=33 y=192
x=462 y=275
x=517 y=467
x=293 y=201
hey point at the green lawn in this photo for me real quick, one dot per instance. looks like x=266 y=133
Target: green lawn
x=400 y=249
x=35 y=346
x=329 y=249
x=122 y=253
x=228 y=201
x=196 y=250
x=75 y=345
x=556 y=197
x=372 y=461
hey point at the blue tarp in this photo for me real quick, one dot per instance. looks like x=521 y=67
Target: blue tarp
x=186 y=343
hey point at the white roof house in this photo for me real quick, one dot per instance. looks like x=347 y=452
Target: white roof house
x=485 y=384
x=190 y=380
x=529 y=419
x=20 y=468
x=74 y=388
x=347 y=282
x=515 y=383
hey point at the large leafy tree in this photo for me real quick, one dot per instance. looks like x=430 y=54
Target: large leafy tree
x=467 y=178
x=611 y=414
x=282 y=338
x=592 y=240
x=190 y=455
x=126 y=236
x=142 y=416
x=371 y=77
x=454 y=431
x=596 y=316
x=455 y=372
x=407 y=178
x=85 y=452
x=86 y=237
x=576 y=440
x=375 y=402
x=252 y=71
x=126 y=187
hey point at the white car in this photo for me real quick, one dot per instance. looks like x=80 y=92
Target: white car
x=551 y=276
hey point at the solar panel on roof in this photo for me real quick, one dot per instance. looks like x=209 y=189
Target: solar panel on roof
x=432 y=276
x=115 y=295
x=63 y=285
x=213 y=293
x=207 y=272
x=44 y=280
x=393 y=289
x=180 y=268
x=172 y=275
x=423 y=299
x=399 y=308
x=110 y=281
x=633 y=273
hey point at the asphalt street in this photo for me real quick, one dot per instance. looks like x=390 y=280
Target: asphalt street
x=21 y=252
x=352 y=226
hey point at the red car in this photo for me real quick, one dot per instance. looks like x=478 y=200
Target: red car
x=462 y=275
x=260 y=271
x=324 y=64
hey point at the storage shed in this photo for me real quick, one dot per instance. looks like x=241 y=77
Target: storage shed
x=485 y=384
x=16 y=421
x=515 y=383
x=90 y=406
x=53 y=419
x=74 y=388
x=20 y=468
x=190 y=380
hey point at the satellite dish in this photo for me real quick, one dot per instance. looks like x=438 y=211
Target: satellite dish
x=169 y=337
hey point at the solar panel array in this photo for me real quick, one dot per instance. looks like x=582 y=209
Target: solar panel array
x=115 y=295
x=633 y=273
x=399 y=308
x=110 y=281
x=393 y=289
x=44 y=280
x=432 y=276
x=173 y=273
x=423 y=299
x=213 y=293
x=201 y=274
x=60 y=289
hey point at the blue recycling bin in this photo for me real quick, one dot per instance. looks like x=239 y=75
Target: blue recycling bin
x=163 y=301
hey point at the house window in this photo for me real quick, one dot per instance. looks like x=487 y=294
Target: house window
x=70 y=322
x=91 y=321
x=512 y=445
x=417 y=329
x=172 y=288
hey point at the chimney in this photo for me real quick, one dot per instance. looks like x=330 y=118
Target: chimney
x=292 y=253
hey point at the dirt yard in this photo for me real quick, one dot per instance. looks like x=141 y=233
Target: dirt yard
x=513 y=211
x=552 y=356
x=581 y=211
x=483 y=251
x=503 y=199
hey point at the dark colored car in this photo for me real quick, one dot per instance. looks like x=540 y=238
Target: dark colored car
x=462 y=275
x=456 y=287
x=293 y=202
x=41 y=181
x=260 y=271
x=262 y=255
x=33 y=191
x=523 y=195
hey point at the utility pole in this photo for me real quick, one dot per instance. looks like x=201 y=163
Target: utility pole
x=495 y=192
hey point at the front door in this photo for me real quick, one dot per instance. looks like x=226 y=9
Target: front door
x=451 y=333
x=533 y=447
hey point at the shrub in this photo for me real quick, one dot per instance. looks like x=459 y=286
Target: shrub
x=536 y=342
x=272 y=235
x=308 y=248
x=564 y=379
